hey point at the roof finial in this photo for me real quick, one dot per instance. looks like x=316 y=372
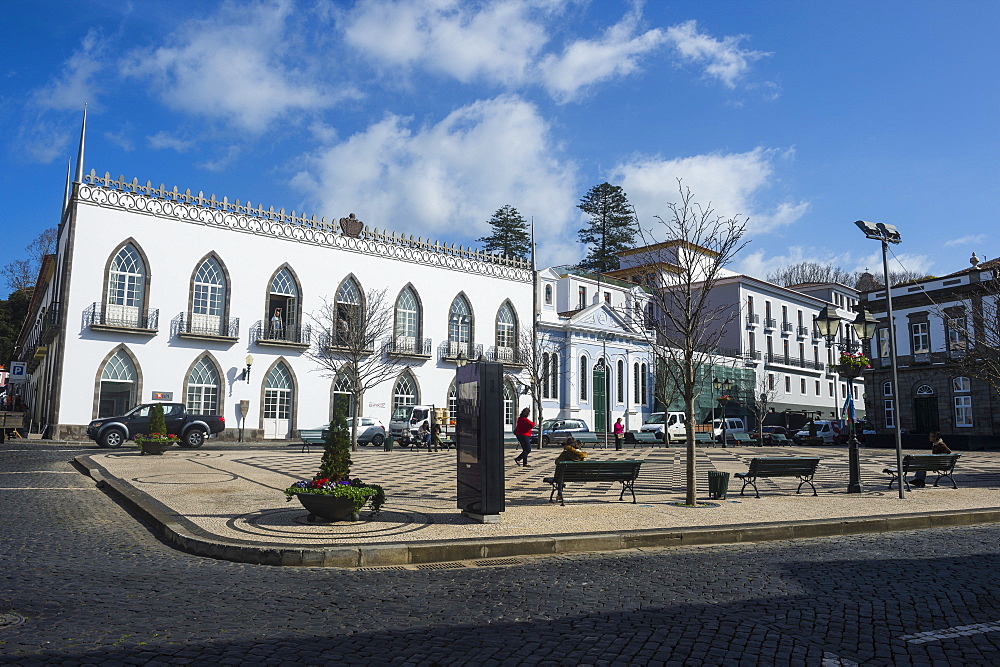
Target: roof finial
x=974 y=260
x=79 y=154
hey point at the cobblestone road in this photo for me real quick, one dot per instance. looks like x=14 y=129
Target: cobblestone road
x=81 y=582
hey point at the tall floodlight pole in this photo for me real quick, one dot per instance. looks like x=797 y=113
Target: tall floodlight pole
x=887 y=234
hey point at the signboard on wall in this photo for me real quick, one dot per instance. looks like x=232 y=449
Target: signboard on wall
x=18 y=371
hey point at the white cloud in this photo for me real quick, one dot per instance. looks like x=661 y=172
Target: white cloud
x=971 y=239
x=445 y=180
x=164 y=140
x=586 y=62
x=722 y=59
x=74 y=86
x=495 y=41
x=732 y=183
x=238 y=65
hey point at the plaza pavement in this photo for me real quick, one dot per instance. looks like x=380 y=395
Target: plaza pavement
x=230 y=504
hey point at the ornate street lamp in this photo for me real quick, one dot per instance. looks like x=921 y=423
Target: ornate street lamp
x=246 y=373
x=725 y=387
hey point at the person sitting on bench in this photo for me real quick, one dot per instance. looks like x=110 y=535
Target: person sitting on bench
x=570 y=451
x=938 y=446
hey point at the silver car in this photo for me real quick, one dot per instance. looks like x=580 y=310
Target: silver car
x=370 y=431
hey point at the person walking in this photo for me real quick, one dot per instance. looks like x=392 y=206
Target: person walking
x=937 y=447
x=522 y=431
x=619 y=434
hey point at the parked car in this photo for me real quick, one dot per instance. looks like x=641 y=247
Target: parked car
x=370 y=431
x=733 y=425
x=671 y=423
x=555 y=431
x=827 y=433
x=192 y=429
x=765 y=433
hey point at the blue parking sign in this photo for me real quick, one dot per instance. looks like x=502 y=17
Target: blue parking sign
x=18 y=371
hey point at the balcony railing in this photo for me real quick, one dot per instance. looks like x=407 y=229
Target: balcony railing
x=770 y=323
x=787 y=327
x=50 y=323
x=449 y=350
x=101 y=316
x=788 y=360
x=406 y=346
x=203 y=325
x=505 y=355
x=292 y=336
x=802 y=332
x=753 y=319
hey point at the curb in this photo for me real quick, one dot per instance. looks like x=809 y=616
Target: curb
x=180 y=533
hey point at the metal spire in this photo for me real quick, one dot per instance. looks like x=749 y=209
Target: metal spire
x=79 y=154
x=66 y=189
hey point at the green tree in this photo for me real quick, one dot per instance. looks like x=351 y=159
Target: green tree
x=611 y=228
x=510 y=234
x=157 y=422
x=336 y=463
x=12 y=313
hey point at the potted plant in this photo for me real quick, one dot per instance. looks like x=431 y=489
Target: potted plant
x=157 y=440
x=852 y=363
x=332 y=494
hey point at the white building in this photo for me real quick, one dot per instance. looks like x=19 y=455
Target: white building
x=586 y=319
x=157 y=293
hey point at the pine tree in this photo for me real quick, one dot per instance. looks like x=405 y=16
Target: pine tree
x=336 y=463
x=611 y=229
x=510 y=234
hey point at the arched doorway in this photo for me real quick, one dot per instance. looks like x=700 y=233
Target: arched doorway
x=925 y=410
x=277 y=402
x=118 y=386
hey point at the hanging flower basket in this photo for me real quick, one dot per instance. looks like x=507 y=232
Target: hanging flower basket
x=852 y=363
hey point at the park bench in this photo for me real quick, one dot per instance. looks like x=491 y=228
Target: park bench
x=779 y=439
x=741 y=439
x=624 y=472
x=311 y=436
x=702 y=438
x=943 y=465
x=589 y=438
x=635 y=438
x=801 y=468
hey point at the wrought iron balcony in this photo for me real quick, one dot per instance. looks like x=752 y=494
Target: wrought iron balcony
x=803 y=332
x=770 y=323
x=50 y=323
x=107 y=317
x=753 y=319
x=201 y=326
x=449 y=350
x=407 y=346
x=505 y=355
x=281 y=336
x=787 y=327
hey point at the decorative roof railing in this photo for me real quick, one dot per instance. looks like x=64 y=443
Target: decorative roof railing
x=183 y=205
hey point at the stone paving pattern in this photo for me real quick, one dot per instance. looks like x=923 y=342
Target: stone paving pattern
x=95 y=587
x=238 y=495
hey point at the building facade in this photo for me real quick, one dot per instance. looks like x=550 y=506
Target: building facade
x=157 y=294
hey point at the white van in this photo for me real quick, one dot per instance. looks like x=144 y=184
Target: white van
x=827 y=432
x=733 y=425
x=670 y=422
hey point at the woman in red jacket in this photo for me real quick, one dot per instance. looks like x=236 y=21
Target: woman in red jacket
x=522 y=431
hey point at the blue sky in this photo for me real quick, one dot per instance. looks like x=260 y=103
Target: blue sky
x=427 y=116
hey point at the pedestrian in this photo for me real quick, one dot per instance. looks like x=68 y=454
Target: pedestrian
x=436 y=435
x=522 y=431
x=619 y=434
x=424 y=433
x=937 y=447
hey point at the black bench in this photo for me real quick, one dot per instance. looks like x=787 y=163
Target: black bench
x=801 y=468
x=639 y=438
x=943 y=465
x=624 y=472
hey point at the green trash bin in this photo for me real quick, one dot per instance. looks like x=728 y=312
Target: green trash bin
x=389 y=443
x=718 y=484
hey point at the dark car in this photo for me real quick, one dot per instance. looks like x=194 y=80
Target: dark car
x=767 y=432
x=191 y=429
x=555 y=431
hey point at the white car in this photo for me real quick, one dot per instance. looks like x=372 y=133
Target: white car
x=369 y=431
x=733 y=425
x=670 y=422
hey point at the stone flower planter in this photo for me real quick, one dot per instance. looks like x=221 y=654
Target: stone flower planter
x=327 y=507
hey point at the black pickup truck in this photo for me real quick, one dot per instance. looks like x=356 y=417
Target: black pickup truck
x=191 y=429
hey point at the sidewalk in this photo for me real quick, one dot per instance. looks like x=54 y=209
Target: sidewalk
x=231 y=505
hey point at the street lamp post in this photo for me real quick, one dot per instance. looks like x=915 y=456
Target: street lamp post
x=828 y=323
x=887 y=234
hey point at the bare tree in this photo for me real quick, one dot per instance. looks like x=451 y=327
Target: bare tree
x=815 y=272
x=22 y=273
x=354 y=329
x=536 y=372
x=972 y=324
x=765 y=395
x=687 y=254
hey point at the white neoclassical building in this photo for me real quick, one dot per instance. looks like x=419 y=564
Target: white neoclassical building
x=157 y=293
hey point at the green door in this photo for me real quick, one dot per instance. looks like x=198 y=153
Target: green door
x=600 y=400
x=925 y=414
